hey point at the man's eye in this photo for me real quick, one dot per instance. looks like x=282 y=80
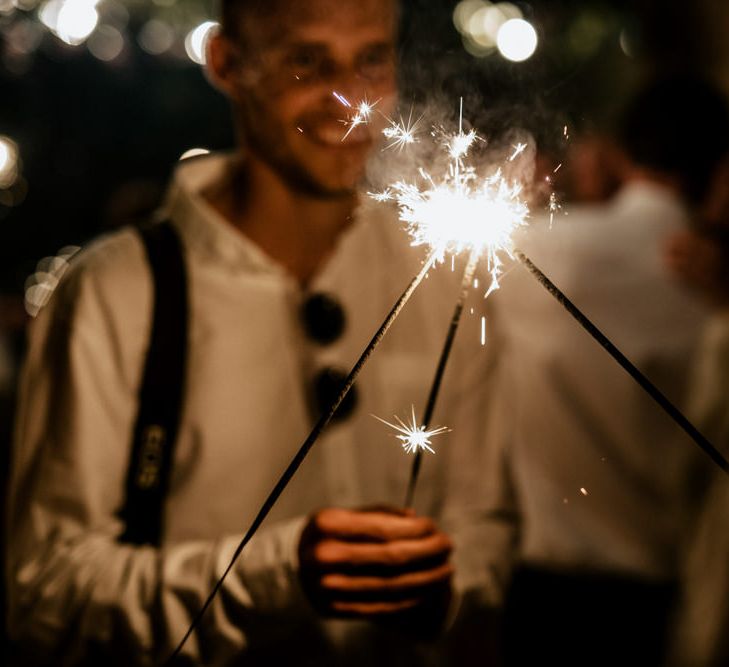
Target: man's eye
x=304 y=63
x=376 y=63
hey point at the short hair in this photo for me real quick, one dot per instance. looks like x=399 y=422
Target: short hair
x=679 y=125
x=232 y=12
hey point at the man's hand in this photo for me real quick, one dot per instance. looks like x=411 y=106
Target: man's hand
x=375 y=563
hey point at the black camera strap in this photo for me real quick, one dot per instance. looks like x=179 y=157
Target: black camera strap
x=161 y=392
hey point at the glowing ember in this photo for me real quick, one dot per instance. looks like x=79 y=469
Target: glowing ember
x=414 y=438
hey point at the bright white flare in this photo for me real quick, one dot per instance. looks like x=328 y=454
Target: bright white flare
x=8 y=162
x=516 y=40
x=72 y=21
x=414 y=438
x=196 y=41
x=461 y=211
x=460 y=144
x=472 y=215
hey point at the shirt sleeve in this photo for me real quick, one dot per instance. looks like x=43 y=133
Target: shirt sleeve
x=76 y=594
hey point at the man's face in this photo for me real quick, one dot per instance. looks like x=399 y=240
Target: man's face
x=291 y=64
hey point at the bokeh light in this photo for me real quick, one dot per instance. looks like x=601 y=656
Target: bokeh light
x=197 y=39
x=9 y=159
x=156 y=37
x=194 y=152
x=72 y=21
x=516 y=40
x=479 y=23
x=106 y=43
x=464 y=11
x=40 y=286
x=25 y=5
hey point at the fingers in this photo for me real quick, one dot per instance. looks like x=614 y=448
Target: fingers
x=407 y=583
x=333 y=553
x=371 y=525
x=372 y=609
x=374 y=562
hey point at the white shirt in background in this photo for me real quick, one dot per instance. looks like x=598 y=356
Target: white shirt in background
x=602 y=476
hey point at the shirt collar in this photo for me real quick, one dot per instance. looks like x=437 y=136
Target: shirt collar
x=202 y=227
x=208 y=233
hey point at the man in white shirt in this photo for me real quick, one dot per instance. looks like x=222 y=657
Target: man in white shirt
x=603 y=479
x=263 y=231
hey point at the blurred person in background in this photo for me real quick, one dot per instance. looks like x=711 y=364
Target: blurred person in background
x=592 y=169
x=605 y=483
x=287 y=281
x=700 y=258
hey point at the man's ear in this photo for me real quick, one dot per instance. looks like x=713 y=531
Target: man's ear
x=222 y=65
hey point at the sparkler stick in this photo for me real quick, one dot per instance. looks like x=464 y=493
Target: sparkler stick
x=300 y=456
x=626 y=364
x=440 y=370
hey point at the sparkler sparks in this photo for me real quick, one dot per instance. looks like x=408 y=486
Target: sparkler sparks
x=402 y=133
x=554 y=207
x=414 y=438
x=459 y=145
x=361 y=116
x=460 y=210
x=342 y=99
x=518 y=150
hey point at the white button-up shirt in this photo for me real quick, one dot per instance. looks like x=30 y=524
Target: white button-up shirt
x=73 y=586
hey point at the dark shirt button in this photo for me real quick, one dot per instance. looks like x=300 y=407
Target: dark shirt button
x=323 y=318
x=327 y=385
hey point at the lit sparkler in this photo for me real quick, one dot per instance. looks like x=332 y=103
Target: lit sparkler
x=460 y=211
x=305 y=448
x=457 y=212
x=414 y=437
